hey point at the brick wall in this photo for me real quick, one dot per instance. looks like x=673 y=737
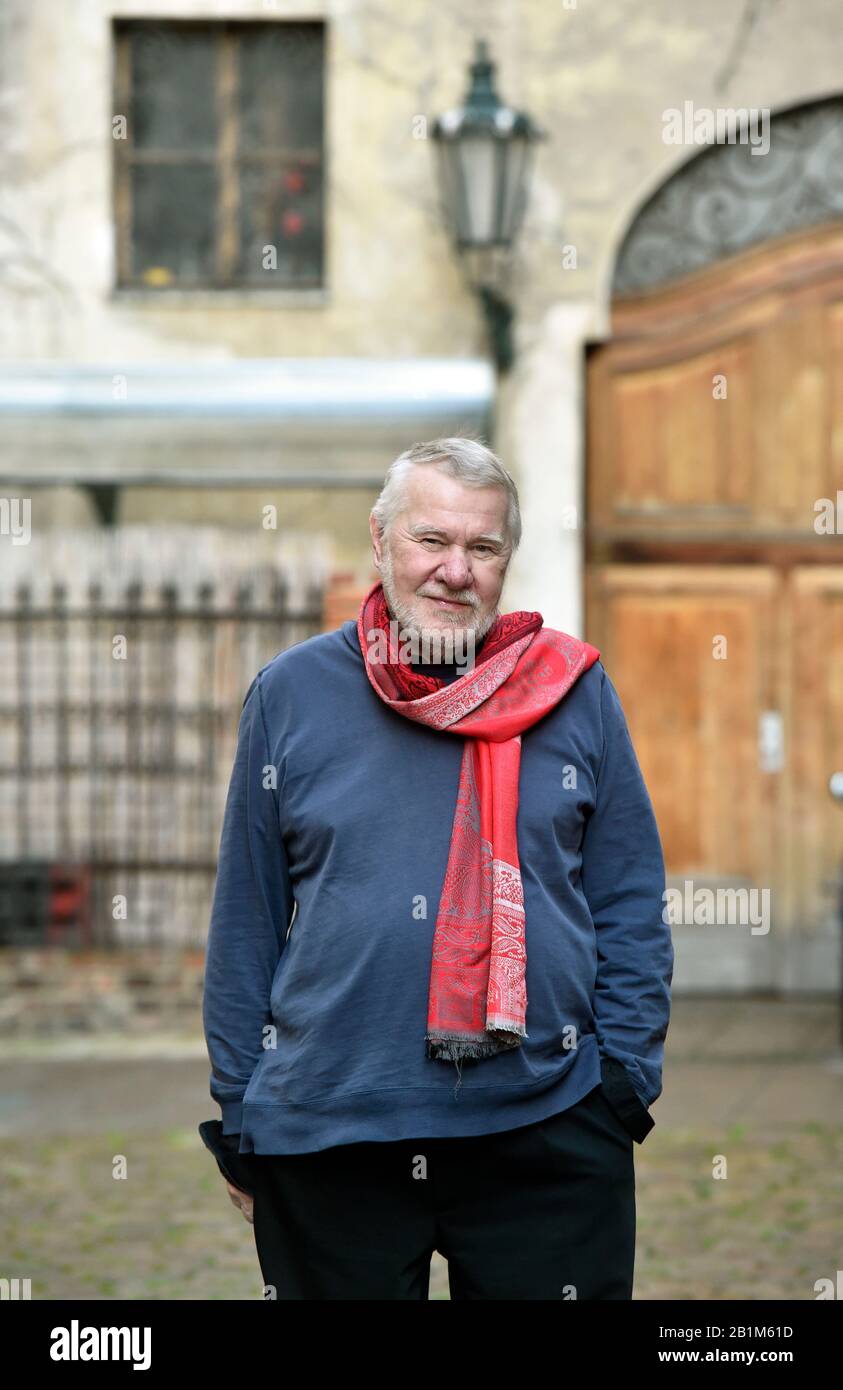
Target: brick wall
x=343 y=595
x=51 y=992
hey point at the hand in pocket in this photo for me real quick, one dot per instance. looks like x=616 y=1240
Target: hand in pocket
x=608 y=1106
x=243 y=1200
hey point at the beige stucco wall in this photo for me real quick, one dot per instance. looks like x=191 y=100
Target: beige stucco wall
x=596 y=76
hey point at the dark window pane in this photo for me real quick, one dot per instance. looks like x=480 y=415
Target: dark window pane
x=281 y=87
x=173 y=224
x=173 y=75
x=281 y=208
x=225 y=155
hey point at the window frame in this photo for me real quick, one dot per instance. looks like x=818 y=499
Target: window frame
x=225 y=283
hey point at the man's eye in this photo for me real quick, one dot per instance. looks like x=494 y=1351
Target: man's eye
x=432 y=540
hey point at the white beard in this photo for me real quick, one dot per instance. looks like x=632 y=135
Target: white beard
x=459 y=630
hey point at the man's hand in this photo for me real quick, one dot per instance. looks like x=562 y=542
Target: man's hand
x=243 y=1201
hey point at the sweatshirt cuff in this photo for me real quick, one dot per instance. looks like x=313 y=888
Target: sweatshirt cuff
x=232 y=1116
x=624 y=1099
x=235 y=1167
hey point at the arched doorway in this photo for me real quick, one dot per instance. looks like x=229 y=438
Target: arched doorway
x=714 y=578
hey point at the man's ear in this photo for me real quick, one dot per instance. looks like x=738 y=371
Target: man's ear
x=377 y=540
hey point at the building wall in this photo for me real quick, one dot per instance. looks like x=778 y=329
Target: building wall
x=596 y=77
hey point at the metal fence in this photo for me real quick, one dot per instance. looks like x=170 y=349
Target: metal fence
x=118 y=720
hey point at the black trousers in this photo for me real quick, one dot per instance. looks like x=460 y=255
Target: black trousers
x=545 y=1211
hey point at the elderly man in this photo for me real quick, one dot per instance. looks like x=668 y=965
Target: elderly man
x=438 y=976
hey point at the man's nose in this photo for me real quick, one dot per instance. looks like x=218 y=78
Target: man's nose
x=455 y=570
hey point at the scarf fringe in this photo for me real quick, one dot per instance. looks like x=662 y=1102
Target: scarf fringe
x=456 y=1048
x=459 y=1049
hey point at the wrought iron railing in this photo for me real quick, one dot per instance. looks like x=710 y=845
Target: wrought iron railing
x=118 y=724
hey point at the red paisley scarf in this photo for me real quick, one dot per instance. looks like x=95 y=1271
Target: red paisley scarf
x=477 y=1004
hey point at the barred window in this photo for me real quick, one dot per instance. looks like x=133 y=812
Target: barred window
x=218 y=160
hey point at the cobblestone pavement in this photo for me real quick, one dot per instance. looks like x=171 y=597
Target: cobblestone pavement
x=759 y=1083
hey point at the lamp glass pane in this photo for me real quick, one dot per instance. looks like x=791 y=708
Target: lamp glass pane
x=514 y=183
x=479 y=167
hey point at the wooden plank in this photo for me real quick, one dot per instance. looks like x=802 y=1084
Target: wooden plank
x=815 y=819
x=227 y=231
x=122 y=156
x=751 y=457
x=693 y=717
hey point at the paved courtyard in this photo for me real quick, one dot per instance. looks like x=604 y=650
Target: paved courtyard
x=760 y=1082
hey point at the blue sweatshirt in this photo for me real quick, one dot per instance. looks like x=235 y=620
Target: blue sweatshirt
x=332 y=857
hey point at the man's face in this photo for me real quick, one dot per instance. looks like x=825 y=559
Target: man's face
x=444 y=558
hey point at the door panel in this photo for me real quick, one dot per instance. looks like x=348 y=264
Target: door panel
x=815 y=820
x=715 y=409
x=692 y=652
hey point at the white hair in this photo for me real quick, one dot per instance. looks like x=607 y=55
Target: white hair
x=465 y=459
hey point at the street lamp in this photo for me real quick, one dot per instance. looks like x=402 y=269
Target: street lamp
x=483 y=151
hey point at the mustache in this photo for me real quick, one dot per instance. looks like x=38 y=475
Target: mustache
x=471 y=602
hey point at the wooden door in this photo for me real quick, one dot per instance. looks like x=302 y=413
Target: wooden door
x=814 y=845
x=693 y=652
x=715 y=446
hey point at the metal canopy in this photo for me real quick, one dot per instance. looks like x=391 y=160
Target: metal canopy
x=306 y=422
